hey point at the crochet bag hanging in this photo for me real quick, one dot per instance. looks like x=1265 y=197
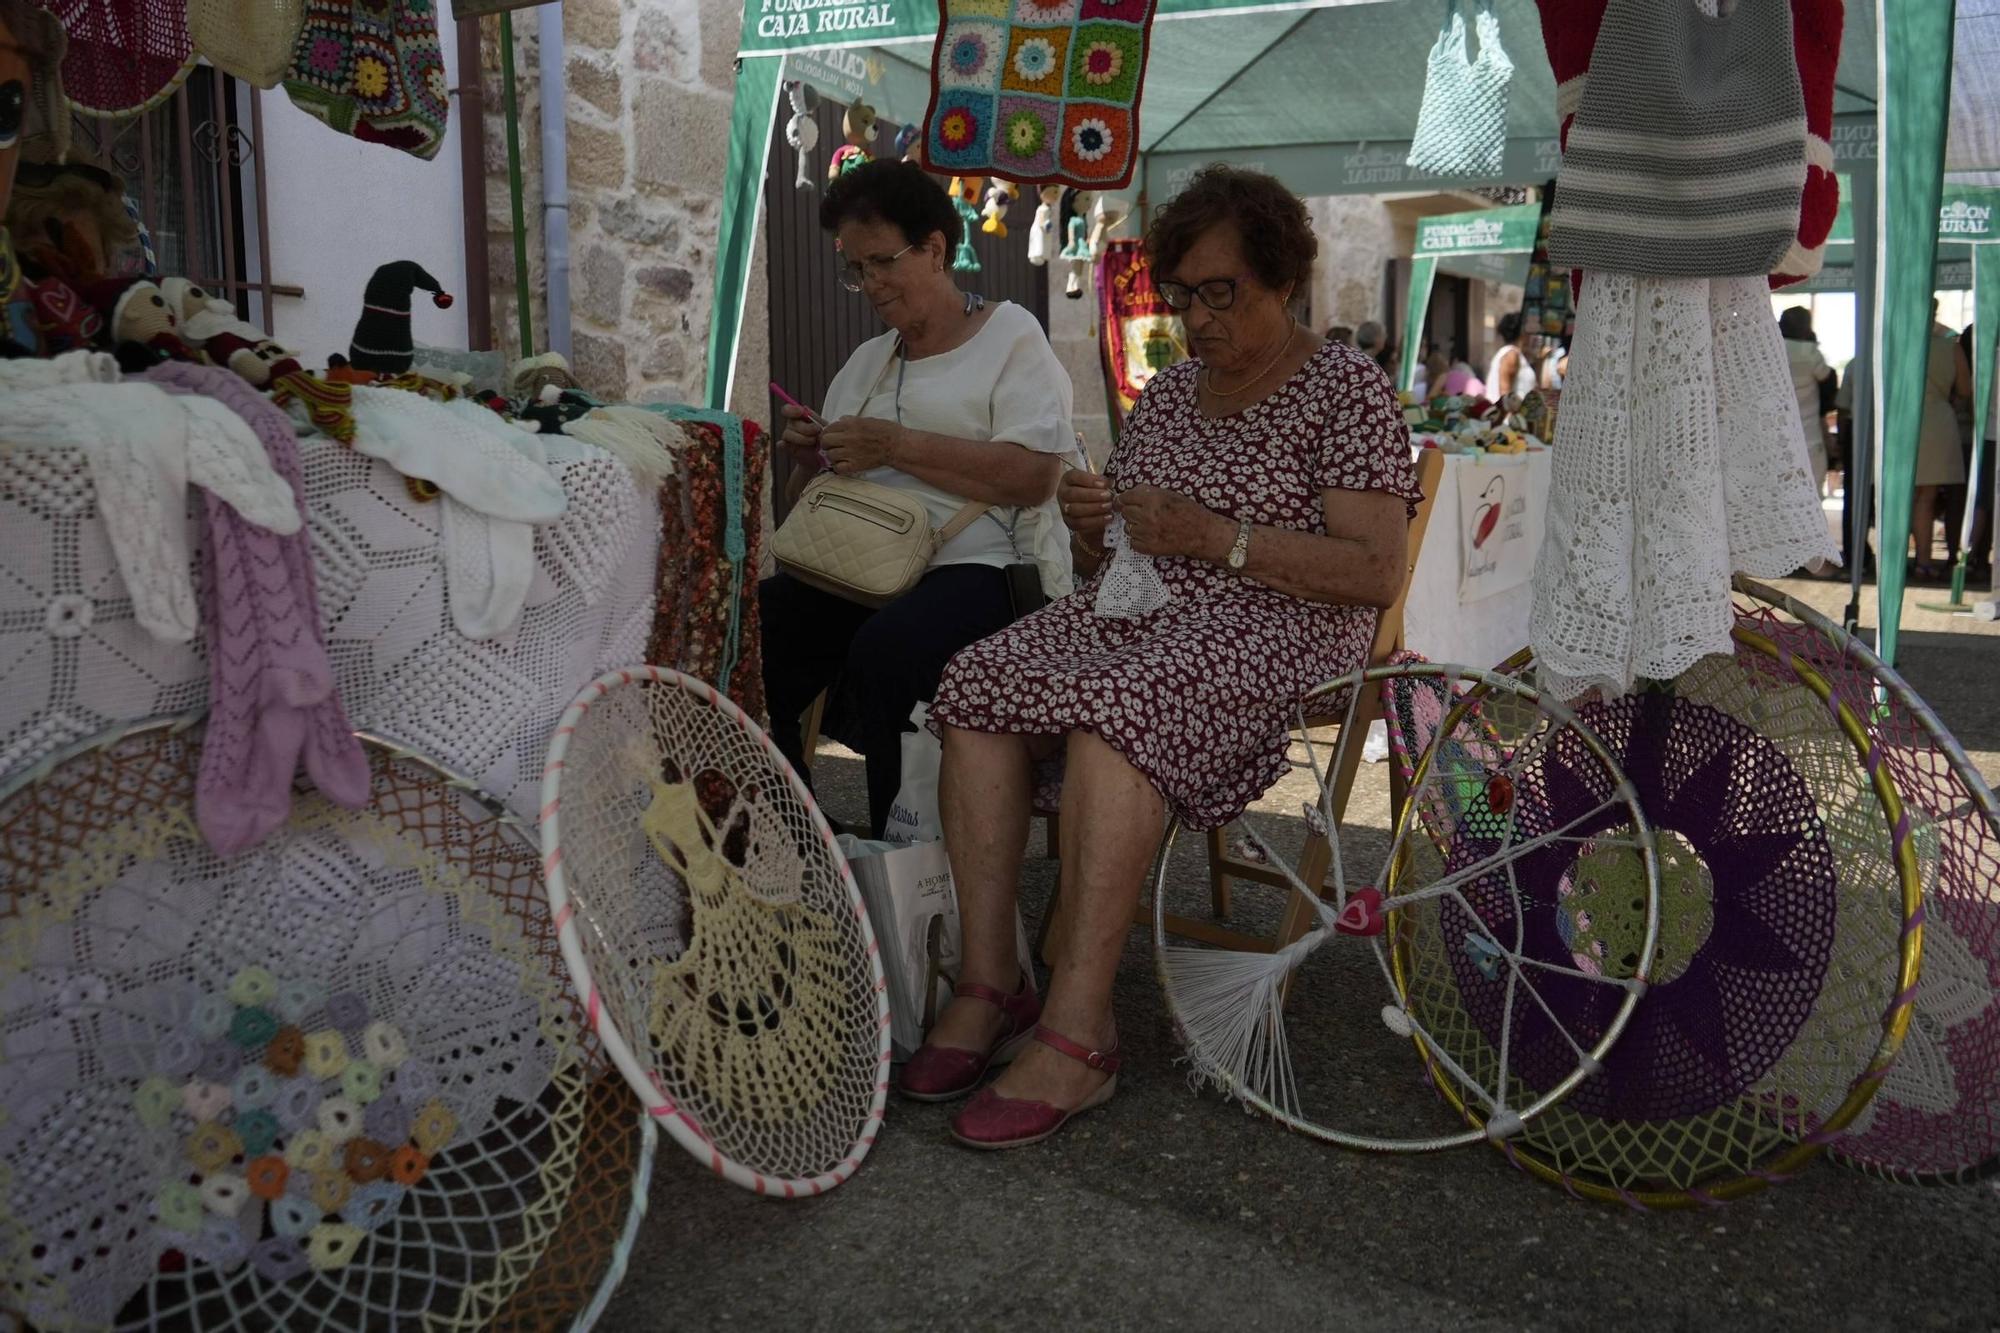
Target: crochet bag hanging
x=252 y=40
x=1937 y=1118
x=1687 y=155
x=373 y=69
x=710 y=921
x=340 y=1074
x=1783 y=969
x=1038 y=91
x=1455 y=880
x=125 y=56
x=1462 y=128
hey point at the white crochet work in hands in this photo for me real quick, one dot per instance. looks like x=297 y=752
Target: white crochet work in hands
x=1132 y=586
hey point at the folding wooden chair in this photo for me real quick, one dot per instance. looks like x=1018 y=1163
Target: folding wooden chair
x=1223 y=865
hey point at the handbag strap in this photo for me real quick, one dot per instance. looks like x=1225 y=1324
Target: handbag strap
x=967 y=515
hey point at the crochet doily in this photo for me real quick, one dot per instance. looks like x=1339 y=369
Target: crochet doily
x=341 y=1076
x=76 y=661
x=1937 y=1117
x=1782 y=955
x=713 y=923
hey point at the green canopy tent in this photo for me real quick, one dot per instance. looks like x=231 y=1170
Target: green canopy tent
x=1324 y=94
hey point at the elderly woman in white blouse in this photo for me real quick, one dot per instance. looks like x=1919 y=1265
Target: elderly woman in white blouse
x=959 y=401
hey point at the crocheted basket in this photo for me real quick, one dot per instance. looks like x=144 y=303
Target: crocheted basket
x=250 y=39
x=1785 y=963
x=340 y=1077
x=1502 y=754
x=125 y=56
x=710 y=921
x=1937 y=1118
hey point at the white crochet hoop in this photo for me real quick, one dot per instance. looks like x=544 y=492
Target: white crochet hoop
x=712 y=924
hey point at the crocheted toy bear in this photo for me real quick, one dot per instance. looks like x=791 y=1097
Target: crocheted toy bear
x=858 y=126
x=1569 y=30
x=140 y=328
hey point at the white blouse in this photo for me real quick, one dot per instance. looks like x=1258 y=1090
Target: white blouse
x=1003 y=383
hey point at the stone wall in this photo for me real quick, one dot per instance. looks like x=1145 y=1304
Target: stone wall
x=649 y=83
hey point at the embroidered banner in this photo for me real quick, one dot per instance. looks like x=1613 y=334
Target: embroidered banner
x=1038 y=91
x=1138 y=334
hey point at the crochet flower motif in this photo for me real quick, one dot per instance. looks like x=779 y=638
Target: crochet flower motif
x=304 y=1122
x=1091 y=139
x=371 y=77
x=1102 y=62
x=1025 y=134
x=69 y=615
x=1034 y=58
x=958 y=130
x=324 y=58
x=968 y=55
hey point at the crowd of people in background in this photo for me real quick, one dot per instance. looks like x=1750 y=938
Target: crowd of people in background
x=1518 y=365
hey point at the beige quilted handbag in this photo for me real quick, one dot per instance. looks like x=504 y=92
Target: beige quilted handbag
x=253 y=40
x=867 y=543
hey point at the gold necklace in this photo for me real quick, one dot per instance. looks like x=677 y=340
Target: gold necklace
x=1208 y=375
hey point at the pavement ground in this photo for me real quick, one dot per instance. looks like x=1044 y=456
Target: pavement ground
x=1172 y=1208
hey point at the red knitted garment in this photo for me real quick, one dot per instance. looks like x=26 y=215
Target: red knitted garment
x=1569 y=31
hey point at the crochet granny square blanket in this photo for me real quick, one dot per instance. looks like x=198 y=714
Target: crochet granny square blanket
x=1038 y=91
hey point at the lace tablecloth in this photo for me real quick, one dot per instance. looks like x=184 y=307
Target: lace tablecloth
x=74 y=662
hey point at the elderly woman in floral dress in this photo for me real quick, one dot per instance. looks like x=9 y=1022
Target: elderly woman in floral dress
x=1269 y=481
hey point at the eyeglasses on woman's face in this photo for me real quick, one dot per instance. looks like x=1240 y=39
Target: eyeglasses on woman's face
x=857 y=272
x=1215 y=293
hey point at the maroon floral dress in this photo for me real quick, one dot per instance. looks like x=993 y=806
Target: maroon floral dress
x=1200 y=694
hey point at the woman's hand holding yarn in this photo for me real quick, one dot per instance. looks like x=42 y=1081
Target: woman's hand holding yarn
x=854 y=445
x=1166 y=523
x=1085 y=498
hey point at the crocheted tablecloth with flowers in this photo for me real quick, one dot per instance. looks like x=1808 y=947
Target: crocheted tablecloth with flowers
x=1039 y=91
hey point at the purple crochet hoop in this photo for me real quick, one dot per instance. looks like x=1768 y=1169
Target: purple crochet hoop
x=1936 y=1120
x=1791 y=932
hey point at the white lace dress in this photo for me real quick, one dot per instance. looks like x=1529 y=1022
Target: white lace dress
x=1678 y=461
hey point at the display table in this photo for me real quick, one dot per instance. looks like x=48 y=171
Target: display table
x=76 y=662
x=1484 y=631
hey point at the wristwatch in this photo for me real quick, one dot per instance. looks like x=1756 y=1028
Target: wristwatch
x=1240 y=552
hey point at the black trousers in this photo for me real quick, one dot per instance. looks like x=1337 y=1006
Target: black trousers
x=889 y=658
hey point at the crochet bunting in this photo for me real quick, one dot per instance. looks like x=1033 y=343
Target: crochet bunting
x=1038 y=91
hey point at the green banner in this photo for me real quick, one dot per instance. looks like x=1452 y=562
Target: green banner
x=1489 y=231
x=1423 y=275
x=897 y=90
x=750 y=120
x=1985 y=346
x=1916 y=100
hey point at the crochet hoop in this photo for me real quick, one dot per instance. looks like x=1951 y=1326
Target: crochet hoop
x=1478 y=795
x=1936 y=1120
x=709 y=918
x=1792 y=932
x=341 y=1072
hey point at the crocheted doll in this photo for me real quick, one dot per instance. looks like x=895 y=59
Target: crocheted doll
x=209 y=324
x=964 y=191
x=139 y=327
x=1076 y=205
x=858 y=127
x=1042 y=239
x=381 y=344
x=999 y=198
x=801 y=132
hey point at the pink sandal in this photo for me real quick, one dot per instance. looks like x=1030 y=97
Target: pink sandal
x=991 y=1121
x=941 y=1073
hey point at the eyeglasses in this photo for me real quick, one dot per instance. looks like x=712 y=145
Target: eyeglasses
x=1215 y=293
x=856 y=272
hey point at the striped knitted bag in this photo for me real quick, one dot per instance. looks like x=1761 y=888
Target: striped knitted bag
x=1687 y=155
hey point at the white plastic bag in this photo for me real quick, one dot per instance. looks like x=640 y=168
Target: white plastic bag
x=1132 y=586
x=913 y=817
x=907 y=889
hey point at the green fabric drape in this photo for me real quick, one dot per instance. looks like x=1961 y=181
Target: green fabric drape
x=1914 y=44
x=1985 y=346
x=1423 y=275
x=750 y=120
